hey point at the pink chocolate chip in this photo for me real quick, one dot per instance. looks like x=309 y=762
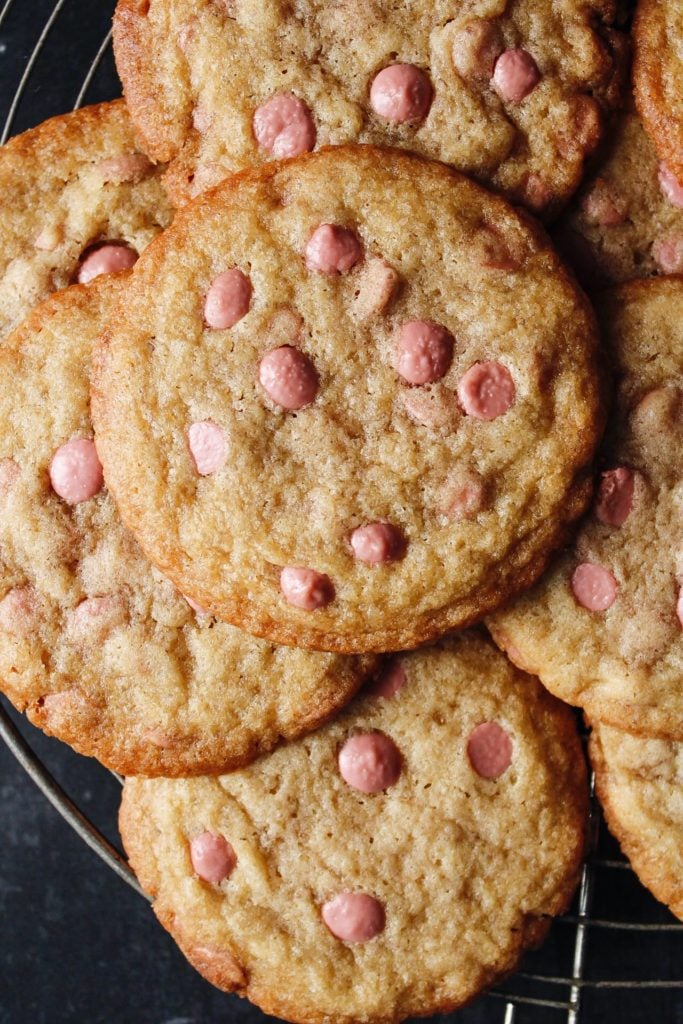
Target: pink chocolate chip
x=515 y=75
x=18 y=611
x=464 y=497
x=489 y=749
x=401 y=93
x=332 y=249
x=306 y=588
x=376 y=288
x=486 y=390
x=76 y=471
x=284 y=126
x=602 y=207
x=212 y=856
x=424 y=351
x=513 y=653
x=615 y=496
x=390 y=680
x=197 y=608
x=64 y=708
x=354 y=916
x=668 y=253
x=158 y=738
x=370 y=762
x=208 y=447
x=108 y=259
x=594 y=587
x=132 y=167
x=671 y=187
x=9 y=474
x=679 y=606
x=97 y=616
x=378 y=543
x=228 y=299
x=436 y=407
x=288 y=377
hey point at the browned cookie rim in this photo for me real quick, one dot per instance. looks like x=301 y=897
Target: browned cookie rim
x=189 y=754
x=646 y=719
x=169 y=135
x=659 y=877
x=225 y=967
x=524 y=563
x=650 y=47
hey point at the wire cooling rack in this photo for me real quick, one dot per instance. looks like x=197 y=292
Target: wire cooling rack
x=559 y=982
x=617 y=956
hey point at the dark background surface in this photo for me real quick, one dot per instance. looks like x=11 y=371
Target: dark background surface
x=76 y=943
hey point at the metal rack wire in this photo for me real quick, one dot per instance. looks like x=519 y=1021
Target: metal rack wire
x=536 y=994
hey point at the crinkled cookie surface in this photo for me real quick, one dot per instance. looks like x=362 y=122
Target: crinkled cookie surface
x=627 y=221
x=515 y=92
x=393 y=863
x=657 y=76
x=604 y=628
x=79 y=199
x=95 y=645
x=353 y=416
x=640 y=784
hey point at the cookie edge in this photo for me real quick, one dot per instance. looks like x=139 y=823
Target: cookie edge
x=513 y=576
x=663 y=884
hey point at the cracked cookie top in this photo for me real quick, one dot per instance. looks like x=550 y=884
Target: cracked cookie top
x=604 y=628
x=358 y=396
x=95 y=645
x=394 y=863
x=639 y=781
x=627 y=220
x=79 y=200
x=657 y=77
x=513 y=92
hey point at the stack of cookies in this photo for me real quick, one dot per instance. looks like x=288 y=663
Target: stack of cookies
x=297 y=391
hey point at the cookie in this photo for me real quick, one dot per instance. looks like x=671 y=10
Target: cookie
x=640 y=784
x=357 y=396
x=98 y=648
x=624 y=223
x=604 y=628
x=514 y=95
x=657 y=77
x=394 y=863
x=79 y=199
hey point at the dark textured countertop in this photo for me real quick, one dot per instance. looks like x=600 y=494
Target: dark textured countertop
x=76 y=943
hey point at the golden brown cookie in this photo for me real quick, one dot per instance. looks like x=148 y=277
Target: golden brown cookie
x=95 y=645
x=78 y=199
x=658 y=78
x=604 y=628
x=640 y=784
x=394 y=863
x=506 y=90
x=623 y=223
x=358 y=399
